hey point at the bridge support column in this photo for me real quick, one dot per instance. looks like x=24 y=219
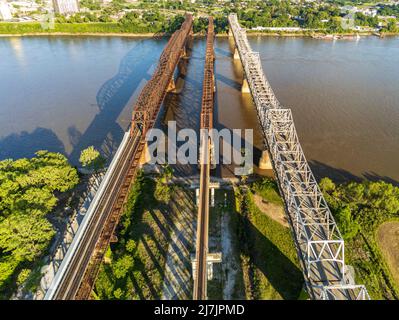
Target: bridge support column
x=264 y=162
x=171 y=86
x=236 y=54
x=183 y=54
x=245 y=86
x=145 y=156
x=211 y=258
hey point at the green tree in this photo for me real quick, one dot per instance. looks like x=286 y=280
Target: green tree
x=27 y=196
x=131 y=246
x=23 y=276
x=162 y=192
x=92 y=159
x=327 y=185
x=348 y=226
x=122 y=266
x=25 y=236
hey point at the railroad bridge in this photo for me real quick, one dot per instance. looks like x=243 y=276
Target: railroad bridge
x=76 y=275
x=319 y=244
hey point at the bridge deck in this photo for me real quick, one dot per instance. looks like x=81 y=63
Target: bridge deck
x=318 y=241
x=200 y=279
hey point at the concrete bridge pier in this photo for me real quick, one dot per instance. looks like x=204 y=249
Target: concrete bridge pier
x=171 y=86
x=183 y=53
x=236 y=54
x=145 y=156
x=245 y=86
x=264 y=162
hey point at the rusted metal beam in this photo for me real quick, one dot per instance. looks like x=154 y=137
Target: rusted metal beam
x=144 y=116
x=200 y=278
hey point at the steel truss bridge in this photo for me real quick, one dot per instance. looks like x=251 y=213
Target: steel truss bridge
x=208 y=89
x=76 y=275
x=319 y=243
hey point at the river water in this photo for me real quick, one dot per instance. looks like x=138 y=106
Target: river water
x=66 y=93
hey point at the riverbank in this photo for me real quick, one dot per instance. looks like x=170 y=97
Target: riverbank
x=198 y=35
x=114 y=29
x=93 y=28
x=90 y=34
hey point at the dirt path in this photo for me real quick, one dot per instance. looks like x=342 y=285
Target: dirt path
x=274 y=211
x=229 y=264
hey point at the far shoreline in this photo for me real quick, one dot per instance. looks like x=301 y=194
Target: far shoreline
x=317 y=36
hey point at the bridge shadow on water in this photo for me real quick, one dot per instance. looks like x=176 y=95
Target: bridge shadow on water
x=104 y=132
x=340 y=175
x=25 y=144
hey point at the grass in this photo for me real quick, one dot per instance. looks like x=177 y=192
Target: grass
x=371 y=205
x=134 y=267
x=142 y=280
x=262 y=249
x=387 y=237
x=268 y=257
x=268 y=190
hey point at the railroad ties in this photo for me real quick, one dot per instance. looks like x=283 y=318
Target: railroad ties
x=319 y=243
x=78 y=277
x=206 y=122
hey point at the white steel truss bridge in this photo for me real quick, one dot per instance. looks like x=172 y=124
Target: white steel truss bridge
x=319 y=243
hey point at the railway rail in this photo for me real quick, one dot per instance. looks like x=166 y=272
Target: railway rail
x=206 y=123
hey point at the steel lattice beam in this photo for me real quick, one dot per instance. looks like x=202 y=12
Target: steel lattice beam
x=319 y=243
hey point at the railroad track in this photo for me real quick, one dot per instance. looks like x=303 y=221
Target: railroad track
x=200 y=280
x=80 y=269
x=80 y=261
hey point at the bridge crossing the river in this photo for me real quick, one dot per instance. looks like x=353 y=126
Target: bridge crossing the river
x=318 y=241
x=77 y=273
x=208 y=87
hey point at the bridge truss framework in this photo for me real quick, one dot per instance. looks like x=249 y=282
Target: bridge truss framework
x=206 y=124
x=80 y=271
x=318 y=241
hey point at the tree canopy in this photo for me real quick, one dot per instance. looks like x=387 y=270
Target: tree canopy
x=28 y=189
x=91 y=158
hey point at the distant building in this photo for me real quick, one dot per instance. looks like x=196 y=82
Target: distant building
x=5 y=11
x=289 y=29
x=66 y=6
x=346 y=9
x=369 y=12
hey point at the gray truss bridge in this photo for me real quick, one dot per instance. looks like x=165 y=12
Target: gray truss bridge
x=319 y=243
